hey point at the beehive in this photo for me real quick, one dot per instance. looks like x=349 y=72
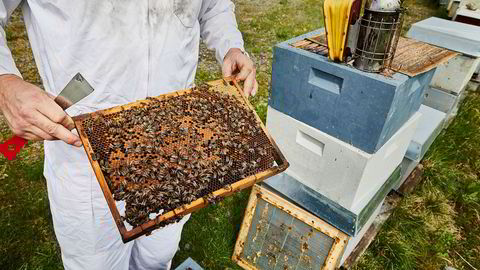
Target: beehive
x=362 y=109
x=276 y=234
x=178 y=151
x=454 y=75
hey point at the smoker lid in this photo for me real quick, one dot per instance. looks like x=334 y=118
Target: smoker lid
x=451 y=35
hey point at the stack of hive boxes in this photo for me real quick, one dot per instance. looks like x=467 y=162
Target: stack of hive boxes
x=448 y=85
x=344 y=133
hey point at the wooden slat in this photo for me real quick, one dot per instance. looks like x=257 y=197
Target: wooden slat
x=413 y=180
x=243 y=234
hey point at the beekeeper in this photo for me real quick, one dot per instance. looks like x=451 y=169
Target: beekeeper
x=127 y=50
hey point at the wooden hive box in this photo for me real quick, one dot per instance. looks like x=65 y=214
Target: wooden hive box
x=276 y=234
x=96 y=133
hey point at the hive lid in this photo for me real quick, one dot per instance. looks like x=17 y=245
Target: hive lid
x=415 y=57
x=468 y=13
x=412 y=57
x=447 y=34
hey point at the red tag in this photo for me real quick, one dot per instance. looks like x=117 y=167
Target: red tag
x=11 y=147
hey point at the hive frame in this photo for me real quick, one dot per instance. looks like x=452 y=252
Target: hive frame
x=340 y=238
x=145 y=228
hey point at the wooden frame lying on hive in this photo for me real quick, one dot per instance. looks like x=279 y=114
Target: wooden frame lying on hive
x=299 y=216
x=127 y=235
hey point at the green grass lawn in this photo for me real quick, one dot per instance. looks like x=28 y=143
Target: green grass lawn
x=431 y=228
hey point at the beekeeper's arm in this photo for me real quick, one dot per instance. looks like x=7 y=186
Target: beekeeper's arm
x=29 y=111
x=219 y=31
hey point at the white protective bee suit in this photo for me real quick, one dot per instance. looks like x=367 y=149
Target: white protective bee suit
x=127 y=50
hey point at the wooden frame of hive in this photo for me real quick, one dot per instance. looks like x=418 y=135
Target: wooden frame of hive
x=340 y=238
x=128 y=235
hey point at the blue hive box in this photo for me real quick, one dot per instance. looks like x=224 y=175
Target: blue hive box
x=362 y=109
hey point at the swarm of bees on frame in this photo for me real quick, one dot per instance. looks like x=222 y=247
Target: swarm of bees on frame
x=168 y=152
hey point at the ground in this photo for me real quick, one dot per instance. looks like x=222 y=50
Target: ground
x=437 y=225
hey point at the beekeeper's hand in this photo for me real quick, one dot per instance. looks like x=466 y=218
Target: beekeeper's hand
x=32 y=114
x=239 y=64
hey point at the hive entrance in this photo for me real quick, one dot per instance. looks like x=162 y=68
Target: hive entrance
x=164 y=153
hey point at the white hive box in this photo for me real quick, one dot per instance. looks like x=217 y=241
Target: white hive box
x=429 y=127
x=473 y=86
x=189 y=264
x=465 y=15
x=333 y=168
x=454 y=75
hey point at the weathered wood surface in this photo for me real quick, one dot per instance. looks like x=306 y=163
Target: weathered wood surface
x=415 y=57
x=412 y=57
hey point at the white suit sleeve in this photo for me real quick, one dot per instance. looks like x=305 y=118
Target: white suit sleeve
x=219 y=28
x=7 y=65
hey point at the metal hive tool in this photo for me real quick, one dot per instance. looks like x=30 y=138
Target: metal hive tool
x=173 y=154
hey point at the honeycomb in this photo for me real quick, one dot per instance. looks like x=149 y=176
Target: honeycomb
x=166 y=152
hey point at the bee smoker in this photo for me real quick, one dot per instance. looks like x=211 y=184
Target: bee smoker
x=377 y=39
x=371 y=40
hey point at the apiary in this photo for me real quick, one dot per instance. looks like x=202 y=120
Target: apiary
x=170 y=155
x=277 y=234
x=333 y=168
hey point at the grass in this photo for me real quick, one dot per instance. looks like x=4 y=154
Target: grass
x=440 y=221
x=27 y=237
x=429 y=229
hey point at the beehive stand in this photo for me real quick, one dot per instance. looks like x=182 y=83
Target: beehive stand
x=180 y=132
